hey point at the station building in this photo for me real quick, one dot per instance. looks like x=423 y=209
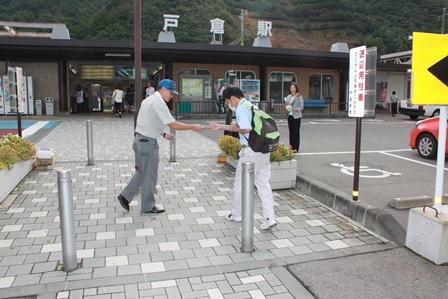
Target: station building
x=58 y=65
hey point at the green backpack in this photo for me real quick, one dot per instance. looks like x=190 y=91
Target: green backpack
x=264 y=136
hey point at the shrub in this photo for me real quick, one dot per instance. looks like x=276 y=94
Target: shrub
x=283 y=153
x=231 y=146
x=14 y=149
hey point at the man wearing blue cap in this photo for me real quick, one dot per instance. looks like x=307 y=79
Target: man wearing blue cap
x=152 y=118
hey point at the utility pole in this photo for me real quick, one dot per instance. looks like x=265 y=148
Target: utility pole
x=443 y=20
x=137 y=58
x=243 y=13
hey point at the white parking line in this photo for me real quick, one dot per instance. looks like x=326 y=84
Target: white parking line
x=411 y=160
x=352 y=152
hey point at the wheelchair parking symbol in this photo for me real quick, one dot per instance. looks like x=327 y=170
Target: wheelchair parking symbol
x=375 y=173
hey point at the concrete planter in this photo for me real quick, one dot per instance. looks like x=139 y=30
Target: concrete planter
x=283 y=174
x=232 y=162
x=11 y=178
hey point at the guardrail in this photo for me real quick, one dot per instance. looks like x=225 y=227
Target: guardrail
x=208 y=109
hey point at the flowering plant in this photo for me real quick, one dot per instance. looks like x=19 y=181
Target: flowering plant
x=283 y=153
x=231 y=146
x=14 y=149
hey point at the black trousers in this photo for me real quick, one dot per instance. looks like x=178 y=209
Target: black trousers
x=118 y=107
x=394 y=108
x=294 y=132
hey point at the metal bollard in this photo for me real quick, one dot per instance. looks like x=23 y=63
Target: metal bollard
x=67 y=220
x=173 y=146
x=247 y=237
x=89 y=142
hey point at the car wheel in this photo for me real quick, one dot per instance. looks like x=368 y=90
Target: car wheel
x=435 y=113
x=427 y=146
x=413 y=116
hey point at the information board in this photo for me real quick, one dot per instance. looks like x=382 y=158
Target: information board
x=357 y=80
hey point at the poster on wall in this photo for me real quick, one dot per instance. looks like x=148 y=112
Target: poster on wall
x=21 y=97
x=208 y=89
x=251 y=89
x=383 y=92
x=6 y=96
x=193 y=88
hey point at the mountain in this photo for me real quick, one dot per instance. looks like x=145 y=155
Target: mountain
x=298 y=24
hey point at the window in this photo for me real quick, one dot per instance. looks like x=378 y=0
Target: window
x=279 y=83
x=240 y=74
x=195 y=72
x=233 y=75
x=321 y=87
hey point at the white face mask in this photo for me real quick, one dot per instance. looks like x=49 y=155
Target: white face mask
x=232 y=107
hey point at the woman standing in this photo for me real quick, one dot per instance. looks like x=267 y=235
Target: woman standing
x=117 y=96
x=79 y=99
x=294 y=106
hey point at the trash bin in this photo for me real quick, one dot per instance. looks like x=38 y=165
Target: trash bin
x=38 y=107
x=49 y=106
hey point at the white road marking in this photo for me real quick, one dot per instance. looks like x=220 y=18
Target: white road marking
x=411 y=160
x=324 y=121
x=349 y=170
x=352 y=152
x=34 y=128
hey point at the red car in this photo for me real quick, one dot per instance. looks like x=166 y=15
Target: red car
x=424 y=138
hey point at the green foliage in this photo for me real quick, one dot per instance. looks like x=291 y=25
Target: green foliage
x=232 y=146
x=14 y=149
x=282 y=153
x=382 y=23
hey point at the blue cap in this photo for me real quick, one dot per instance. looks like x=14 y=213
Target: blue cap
x=168 y=84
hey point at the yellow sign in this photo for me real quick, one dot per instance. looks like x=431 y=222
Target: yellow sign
x=430 y=69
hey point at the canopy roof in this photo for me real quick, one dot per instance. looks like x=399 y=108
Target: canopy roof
x=89 y=50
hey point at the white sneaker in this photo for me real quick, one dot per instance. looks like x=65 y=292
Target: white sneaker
x=267 y=224
x=233 y=218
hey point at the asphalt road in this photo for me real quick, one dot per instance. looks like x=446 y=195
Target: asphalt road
x=388 y=167
x=396 y=273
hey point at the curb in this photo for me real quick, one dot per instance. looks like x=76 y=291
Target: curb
x=375 y=219
x=414 y=202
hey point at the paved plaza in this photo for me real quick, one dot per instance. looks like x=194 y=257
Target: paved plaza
x=190 y=251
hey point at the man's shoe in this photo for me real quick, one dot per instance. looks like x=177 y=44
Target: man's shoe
x=268 y=223
x=123 y=202
x=156 y=210
x=232 y=217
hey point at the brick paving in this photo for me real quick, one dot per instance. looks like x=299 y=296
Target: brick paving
x=190 y=251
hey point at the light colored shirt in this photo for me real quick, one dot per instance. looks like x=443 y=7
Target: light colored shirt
x=80 y=97
x=394 y=98
x=153 y=116
x=295 y=104
x=150 y=91
x=117 y=96
x=221 y=91
x=243 y=120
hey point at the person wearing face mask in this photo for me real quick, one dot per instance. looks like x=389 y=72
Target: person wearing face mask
x=152 y=118
x=235 y=100
x=231 y=118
